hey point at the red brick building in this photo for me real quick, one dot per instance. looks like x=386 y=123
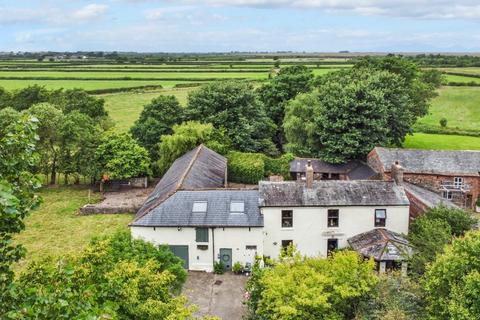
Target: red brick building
x=453 y=175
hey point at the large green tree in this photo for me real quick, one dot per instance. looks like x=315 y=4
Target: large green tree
x=5 y=98
x=119 y=156
x=234 y=107
x=22 y=99
x=78 y=100
x=452 y=282
x=349 y=113
x=157 y=119
x=17 y=199
x=275 y=94
x=187 y=136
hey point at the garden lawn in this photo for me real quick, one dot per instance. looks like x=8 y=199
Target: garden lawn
x=124 y=108
x=459 y=105
x=55 y=229
x=442 y=142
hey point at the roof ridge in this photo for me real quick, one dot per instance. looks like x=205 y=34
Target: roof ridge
x=189 y=167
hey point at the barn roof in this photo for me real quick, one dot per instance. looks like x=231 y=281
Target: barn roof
x=354 y=169
x=449 y=162
x=381 y=245
x=200 y=168
x=331 y=193
x=178 y=210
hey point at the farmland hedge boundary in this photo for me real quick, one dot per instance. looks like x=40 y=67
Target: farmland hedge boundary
x=448 y=131
x=125 y=89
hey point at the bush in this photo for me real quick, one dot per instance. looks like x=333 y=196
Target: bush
x=237 y=267
x=278 y=166
x=245 y=167
x=443 y=122
x=219 y=267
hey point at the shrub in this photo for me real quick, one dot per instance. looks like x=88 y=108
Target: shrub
x=219 y=267
x=443 y=122
x=237 y=267
x=278 y=166
x=245 y=167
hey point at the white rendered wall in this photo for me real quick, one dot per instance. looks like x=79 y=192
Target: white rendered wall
x=310 y=232
x=231 y=238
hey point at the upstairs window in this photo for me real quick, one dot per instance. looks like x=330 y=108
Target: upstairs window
x=201 y=234
x=199 y=207
x=458 y=182
x=287 y=219
x=332 y=221
x=237 y=207
x=380 y=217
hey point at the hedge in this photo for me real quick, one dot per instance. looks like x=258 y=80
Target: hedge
x=126 y=89
x=451 y=131
x=252 y=167
x=120 y=78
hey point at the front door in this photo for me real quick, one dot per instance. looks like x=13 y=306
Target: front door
x=182 y=253
x=226 y=258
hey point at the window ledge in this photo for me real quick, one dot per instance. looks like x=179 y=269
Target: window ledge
x=287 y=229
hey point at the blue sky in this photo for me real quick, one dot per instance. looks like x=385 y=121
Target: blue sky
x=240 y=25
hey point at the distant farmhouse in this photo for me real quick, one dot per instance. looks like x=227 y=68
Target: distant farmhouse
x=203 y=221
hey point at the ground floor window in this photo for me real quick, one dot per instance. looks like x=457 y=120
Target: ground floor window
x=447 y=195
x=332 y=245
x=286 y=243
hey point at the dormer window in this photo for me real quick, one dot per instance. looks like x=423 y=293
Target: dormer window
x=237 y=207
x=199 y=207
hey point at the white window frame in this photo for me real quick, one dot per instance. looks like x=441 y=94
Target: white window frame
x=234 y=207
x=446 y=194
x=200 y=206
x=458 y=182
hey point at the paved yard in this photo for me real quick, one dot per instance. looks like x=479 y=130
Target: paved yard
x=216 y=295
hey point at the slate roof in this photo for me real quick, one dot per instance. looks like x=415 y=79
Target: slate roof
x=429 y=198
x=462 y=162
x=331 y=193
x=176 y=211
x=200 y=168
x=354 y=169
x=381 y=244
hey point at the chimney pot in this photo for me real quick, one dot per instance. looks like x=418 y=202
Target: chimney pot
x=309 y=174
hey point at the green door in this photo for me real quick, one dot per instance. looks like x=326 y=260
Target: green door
x=182 y=253
x=226 y=257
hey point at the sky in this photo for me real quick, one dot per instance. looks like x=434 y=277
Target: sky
x=240 y=25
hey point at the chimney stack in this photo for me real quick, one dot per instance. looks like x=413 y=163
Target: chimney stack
x=397 y=173
x=309 y=174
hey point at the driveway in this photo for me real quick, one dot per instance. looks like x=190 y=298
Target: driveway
x=216 y=295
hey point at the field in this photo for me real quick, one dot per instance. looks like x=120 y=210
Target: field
x=55 y=228
x=442 y=141
x=459 y=105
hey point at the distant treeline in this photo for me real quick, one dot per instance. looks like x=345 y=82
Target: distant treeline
x=439 y=60
x=118 y=78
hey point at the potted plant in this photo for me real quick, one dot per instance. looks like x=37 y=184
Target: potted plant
x=237 y=268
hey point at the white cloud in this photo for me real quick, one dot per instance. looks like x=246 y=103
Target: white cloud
x=90 y=12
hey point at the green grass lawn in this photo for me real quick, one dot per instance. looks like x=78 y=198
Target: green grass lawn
x=468 y=70
x=55 y=228
x=124 y=108
x=461 y=79
x=459 y=105
x=441 y=141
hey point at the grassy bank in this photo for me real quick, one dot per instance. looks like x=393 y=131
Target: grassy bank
x=441 y=141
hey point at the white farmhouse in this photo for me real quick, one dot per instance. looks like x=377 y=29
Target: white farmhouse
x=202 y=221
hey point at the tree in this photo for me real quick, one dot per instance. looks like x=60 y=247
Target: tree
x=351 y=112
x=156 y=120
x=427 y=238
x=452 y=282
x=49 y=121
x=79 y=100
x=120 y=157
x=277 y=92
x=17 y=199
x=187 y=136
x=232 y=106
x=460 y=221
x=24 y=98
x=315 y=288
x=113 y=278
x=5 y=98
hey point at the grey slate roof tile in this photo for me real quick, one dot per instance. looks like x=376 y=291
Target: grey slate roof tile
x=461 y=162
x=331 y=193
x=176 y=211
x=381 y=244
x=354 y=169
x=429 y=198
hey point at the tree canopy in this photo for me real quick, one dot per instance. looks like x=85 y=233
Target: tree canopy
x=232 y=106
x=119 y=156
x=157 y=119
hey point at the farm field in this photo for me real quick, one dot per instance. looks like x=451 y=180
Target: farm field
x=467 y=70
x=124 y=108
x=461 y=79
x=459 y=105
x=55 y=229
x=442 y=141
